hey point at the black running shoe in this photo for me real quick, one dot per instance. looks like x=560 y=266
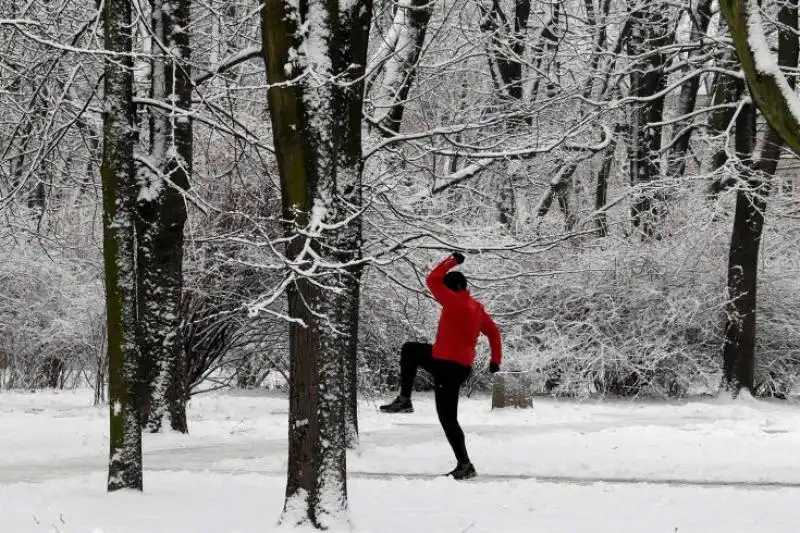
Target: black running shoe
x=399 y=405
x=463 y=471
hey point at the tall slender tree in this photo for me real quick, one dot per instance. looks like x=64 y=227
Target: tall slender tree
x=315 y=55
x=725 y=90
x=699 y=17
x=506 y=48
x=119 y=248
x=650 y=33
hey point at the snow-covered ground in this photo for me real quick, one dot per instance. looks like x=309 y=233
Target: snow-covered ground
x=563 y=467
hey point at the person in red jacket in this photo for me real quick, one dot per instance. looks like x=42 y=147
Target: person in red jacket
x=451 y=357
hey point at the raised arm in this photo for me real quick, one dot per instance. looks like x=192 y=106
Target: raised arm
x=490 y=329
x=435 y=280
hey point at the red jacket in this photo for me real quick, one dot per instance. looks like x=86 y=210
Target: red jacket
x=462 y=321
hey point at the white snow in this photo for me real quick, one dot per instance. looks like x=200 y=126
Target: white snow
x=703 y=467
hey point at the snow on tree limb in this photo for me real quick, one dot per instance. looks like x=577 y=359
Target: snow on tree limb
x=768 y=85
x=19 y=22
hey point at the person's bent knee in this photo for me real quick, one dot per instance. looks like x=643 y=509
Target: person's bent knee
x=407 y=350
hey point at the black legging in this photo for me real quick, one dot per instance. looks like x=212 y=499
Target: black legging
x=448 y=376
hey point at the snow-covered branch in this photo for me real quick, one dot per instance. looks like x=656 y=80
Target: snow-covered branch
x=768 y=85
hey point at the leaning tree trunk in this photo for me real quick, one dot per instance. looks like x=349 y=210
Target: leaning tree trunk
x=748 y=224
x=399 y=54
x=768 y=86
x=317 y=136
x=119 y=196
x=162 y=217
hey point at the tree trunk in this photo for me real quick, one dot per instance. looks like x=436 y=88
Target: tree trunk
x=351 y=363
x=399 y=52
x=317 y=136
x=506 y=50
x=650 y=32
x=119 y=248
x=399 y=55
x=748 y=224
x=601 y=187
x=788 y=52
x=559 y=189
x=687 y=99
x=597 y=22
x=162 y=217
x=726 y=90
x=507 y=46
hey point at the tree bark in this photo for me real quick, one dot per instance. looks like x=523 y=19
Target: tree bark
x=507 y=46
x=351 y=364
x=162 y=217
x=317 y=137
x=788 y=53
x=726 y=90
x=650 y=32
x=396 y=61
x=748 y=222
x=559 y=189
x=751 y=203
x=119 y=247
x=399 y=53
x=597 y=22
x=506 y=50
x=687 y=100
x=601 y=187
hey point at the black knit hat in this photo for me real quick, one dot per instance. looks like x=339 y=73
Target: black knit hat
x=455 y=281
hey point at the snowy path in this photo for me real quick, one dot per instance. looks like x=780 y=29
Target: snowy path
x=563 y=468
x=556 y=480
x=194 y=456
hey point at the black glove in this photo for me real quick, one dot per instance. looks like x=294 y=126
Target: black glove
x=459 y=257
x=493 y=367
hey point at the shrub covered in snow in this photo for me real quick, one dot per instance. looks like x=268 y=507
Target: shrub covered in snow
x=599 y=323
x=52 y=319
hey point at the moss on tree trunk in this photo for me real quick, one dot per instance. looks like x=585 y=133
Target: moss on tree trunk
x=119 y=248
